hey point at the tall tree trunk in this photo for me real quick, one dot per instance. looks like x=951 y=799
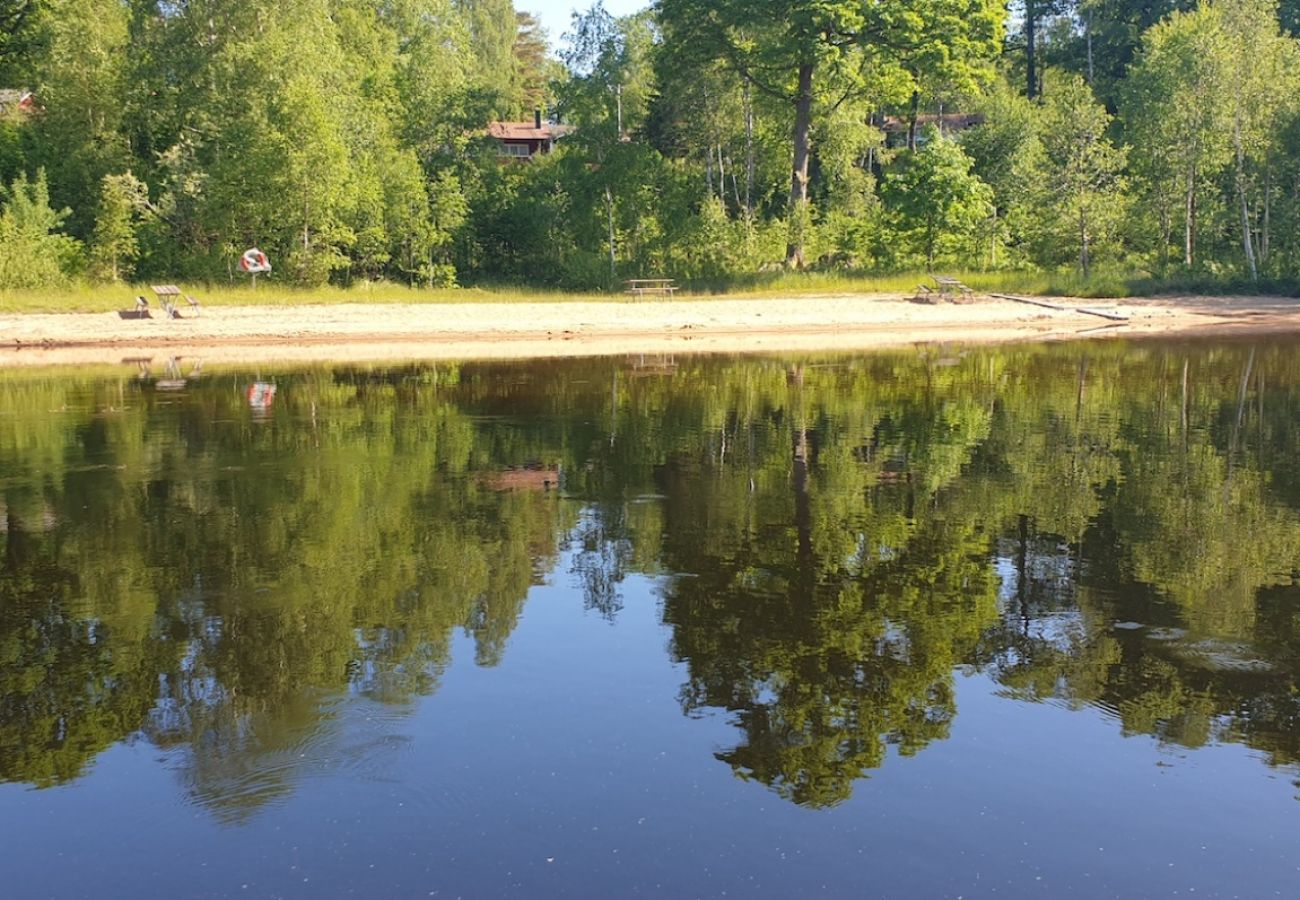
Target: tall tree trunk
x=1022 y=574
x=993 y=241
x=1182 y=414
x=722 y=178
x=802 y=502
x=613 y=256
x=750 y=164
x=1087 y=32
x=913 y=114
x=1085 y=260
x=1247 y=243
x=1166 y=231
x=794 y=254
x=1189 y=225
x=1031 y=50
x=1264 y=235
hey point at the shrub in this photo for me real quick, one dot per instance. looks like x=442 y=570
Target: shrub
x=33 y=254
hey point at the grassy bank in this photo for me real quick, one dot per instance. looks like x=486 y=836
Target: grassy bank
x=1112 y=285
x=109 y=297
x=1037 y=284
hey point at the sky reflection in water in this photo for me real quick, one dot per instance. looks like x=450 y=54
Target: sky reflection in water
x=1003 y=622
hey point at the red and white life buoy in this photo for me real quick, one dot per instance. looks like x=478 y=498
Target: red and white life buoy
x=260 y=395
x=254 y=261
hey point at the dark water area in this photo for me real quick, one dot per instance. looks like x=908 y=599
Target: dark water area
x=1016 y=622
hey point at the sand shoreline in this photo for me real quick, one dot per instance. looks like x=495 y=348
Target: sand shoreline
x=524 y=330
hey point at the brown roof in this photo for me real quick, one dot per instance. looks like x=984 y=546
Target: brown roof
x=946 y=122
x=15 y=98
x=527 y=131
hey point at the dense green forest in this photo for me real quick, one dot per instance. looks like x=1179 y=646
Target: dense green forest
x=711 y=139
x=832 y=542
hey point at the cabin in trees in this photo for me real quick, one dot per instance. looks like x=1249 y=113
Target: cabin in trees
x=896 y=128
x=523 y=140
x=16 y=101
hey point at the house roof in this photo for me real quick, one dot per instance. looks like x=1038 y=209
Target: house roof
x=16 y=98
x=946 y=122
x=527 y=131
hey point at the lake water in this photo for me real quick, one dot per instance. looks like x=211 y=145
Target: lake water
x=1016 y=622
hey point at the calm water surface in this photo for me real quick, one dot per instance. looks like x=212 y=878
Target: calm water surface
x=999 y=623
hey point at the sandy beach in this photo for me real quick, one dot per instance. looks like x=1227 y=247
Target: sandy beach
x=521 y=330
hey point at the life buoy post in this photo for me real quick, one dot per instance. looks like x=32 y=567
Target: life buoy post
x=253 y=262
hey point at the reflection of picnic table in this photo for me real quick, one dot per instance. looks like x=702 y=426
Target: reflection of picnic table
x=948 y=288
x=662 y=364
x=659 y=287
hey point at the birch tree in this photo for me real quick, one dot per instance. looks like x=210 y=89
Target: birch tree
x=813 y=54
x=1178 y=125
x=1081 y=169
x=1261 y=81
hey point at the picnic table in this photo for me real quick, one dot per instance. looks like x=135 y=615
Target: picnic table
x=948 y=288
x=658 y=287
x=169 y=296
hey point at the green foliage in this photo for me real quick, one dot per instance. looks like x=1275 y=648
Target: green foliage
x=114 y=246
x=533 y=68
x=818 y=54
x=1177 y=122
x=80 y=78
x=33 y=251
x=1079 y=177
x=347 y=138
x=493 y=30
x=1004 y=150
x=17 y=22
x=937 y=203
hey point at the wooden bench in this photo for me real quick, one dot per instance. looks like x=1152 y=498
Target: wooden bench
x=141 y=310
x=925 y=294
x=656 y=287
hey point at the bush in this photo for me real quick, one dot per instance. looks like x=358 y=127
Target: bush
x=32 y=252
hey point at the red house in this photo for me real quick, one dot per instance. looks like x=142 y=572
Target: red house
x=524 y=140
x=896 y=127
x=16 y=101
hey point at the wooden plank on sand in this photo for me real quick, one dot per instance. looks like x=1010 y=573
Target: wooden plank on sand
x=1086 y=310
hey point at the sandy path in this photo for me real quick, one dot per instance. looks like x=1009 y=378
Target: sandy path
x=481 y=330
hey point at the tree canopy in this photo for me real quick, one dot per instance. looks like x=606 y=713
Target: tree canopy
x=697 y=140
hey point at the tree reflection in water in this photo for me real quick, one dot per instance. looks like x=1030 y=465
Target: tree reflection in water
x=837 y=540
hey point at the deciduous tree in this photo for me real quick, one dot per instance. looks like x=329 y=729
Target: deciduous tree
x=803 y=52
x=1081 y=170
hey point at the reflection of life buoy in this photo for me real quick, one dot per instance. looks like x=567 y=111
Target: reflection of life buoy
x=261 y=395
x=254 y=261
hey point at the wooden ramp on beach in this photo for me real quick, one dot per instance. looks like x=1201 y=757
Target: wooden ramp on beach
x=1086 y=310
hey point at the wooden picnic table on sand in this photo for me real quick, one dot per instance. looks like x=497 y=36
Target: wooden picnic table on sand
x=658 y=287
x=949 y=288
x=169 y=296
